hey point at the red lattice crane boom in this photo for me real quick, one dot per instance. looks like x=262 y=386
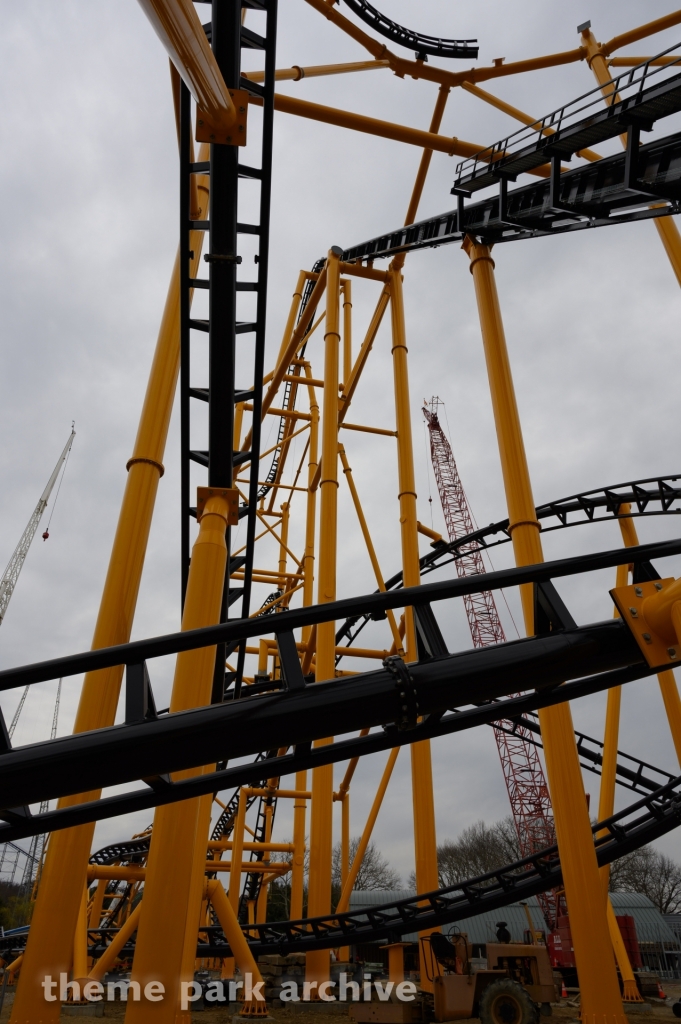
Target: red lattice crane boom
x=523 y=772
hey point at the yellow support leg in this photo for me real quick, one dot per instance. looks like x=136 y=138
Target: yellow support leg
x=237 y=849
x=600 y=995
x=252 y=1007
x=110 y=954
x=50 y=943
x=298 y=870
x=80 y=971
x=170 y=892
x=321 y=811
x=97 y=904
x=365 y=839
x=425 y=841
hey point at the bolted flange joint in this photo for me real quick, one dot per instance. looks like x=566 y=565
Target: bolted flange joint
x=406 y=692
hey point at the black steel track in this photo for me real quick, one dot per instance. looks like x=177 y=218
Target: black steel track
x=651 y=496
x=592 y=196
x=631 y=772
x=375 y=604
x=644 y=821
x=641 y=823
x=648 y=819
x=228 y=37
x=422 y=44
x=150 y=749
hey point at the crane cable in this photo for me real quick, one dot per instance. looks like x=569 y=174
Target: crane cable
x=46 y=534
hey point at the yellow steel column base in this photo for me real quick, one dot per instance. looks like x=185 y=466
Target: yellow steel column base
x=317 y=970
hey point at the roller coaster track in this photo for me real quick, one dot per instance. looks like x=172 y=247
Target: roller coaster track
x=440 y=688
x=593 y=196
x=648 y=819
x=613 y=190
x=600 y=505
x=422 y=44
x=289 y=398
x=631 y=772
x=594 y=657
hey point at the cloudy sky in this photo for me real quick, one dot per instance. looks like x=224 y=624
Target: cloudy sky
x=88 y=217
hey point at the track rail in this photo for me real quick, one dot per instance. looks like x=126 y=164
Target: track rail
x=644 y=821
x=650 y=496
x=647 y=819
x=591 y=196
x=422 y=44
x=149 y=750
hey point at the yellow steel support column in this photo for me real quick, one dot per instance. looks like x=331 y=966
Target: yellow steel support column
x=195 y=895
x=311 y=511
x=345 y=837
x=110 y=954
x=79 y=972
x=600 y=995
x=425 y=842
x=170 y=888
x=237 y=850
x=283 y=544
x=666 y=227
x=242 y=952
x=422 y=173
x=296 y=300
x=50 y=943
x=298 y=870
x=369 y=543
x=261 y=905
x=365 y=839
x=396 y=961
x=97 y=904
x=606 y=798
x=321 y=810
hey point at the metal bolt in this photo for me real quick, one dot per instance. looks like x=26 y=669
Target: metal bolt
x=638 y=591
x=658 y=586
x=671 y=651
x=633 y=613
x=200 y=122
x=646 y=637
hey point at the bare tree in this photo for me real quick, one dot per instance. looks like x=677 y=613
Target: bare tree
x=479 y=848
x=651 y=873
x=375 y=871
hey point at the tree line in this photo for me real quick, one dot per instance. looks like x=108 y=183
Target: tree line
x=481 y=848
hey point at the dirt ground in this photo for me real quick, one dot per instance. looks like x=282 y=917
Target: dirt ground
x=562 y=1013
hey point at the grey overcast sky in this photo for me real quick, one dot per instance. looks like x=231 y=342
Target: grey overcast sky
x=88 y=219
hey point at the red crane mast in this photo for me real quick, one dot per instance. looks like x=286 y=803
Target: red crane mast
x=523 y=772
